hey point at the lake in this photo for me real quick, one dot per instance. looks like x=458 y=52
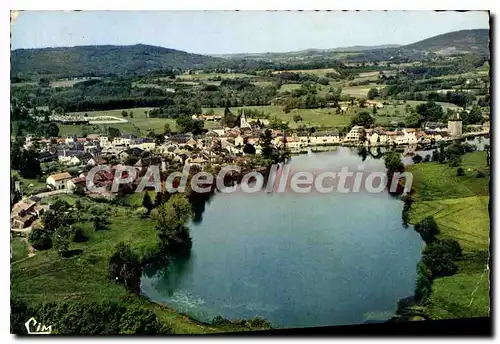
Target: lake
x=297 y=260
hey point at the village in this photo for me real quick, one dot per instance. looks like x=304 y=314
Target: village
x=74 y=156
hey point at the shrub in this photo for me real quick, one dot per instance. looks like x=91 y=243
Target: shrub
x=439 y=258
x=428 y=229
x=41 y=239
x=80 y=235
x=452 y=247
x=417 y=158
x=423 y=287
x=460 y=172
x=480 y=174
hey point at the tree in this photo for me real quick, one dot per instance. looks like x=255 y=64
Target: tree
x=40 y=238
x=138 y=320
x=413 y=120
x=99 y=222
x=77 y=317
x=266 y=144
x=474 y=116
x=430 y=111
x=171 y=224
x=187 y=124
x=61 y=239
x=249 y=149
x=372 y=93
x=423 y=288
x=439 y=257
x=363 y=119
x=428 y=229
x=29 y=165
x=297 y=118
x=158 y=199
x=147 y=203
x=125 y=268
x=417 y=158
x=124 y=113
x=393 y=163
x=159 y=139
x=460 y=172
x=51 y=130
x=114 y=132
x=166 y=129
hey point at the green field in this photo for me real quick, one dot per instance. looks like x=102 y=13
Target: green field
x=290 y=87
x=140 y=124
x=460 y=208
x=205 y=76
x=19 y=248
x=29 y=185
x=434 y=181
x=319 y=72
x=326 y=117
x=46 y=277
x=359 y=91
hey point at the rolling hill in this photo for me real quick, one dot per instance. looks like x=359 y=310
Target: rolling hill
x=464 y=41
x=102 y=60
x=139 y=59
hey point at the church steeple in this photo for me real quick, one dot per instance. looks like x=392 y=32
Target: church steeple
x=243 y=120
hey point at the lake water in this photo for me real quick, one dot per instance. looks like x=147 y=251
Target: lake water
x=295 y=259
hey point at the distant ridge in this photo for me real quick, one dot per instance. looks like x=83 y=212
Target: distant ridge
x=140 y=58
x=476 y=40
x=103 y=59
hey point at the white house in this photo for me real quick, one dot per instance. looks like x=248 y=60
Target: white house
x=69 y=160
x=355 y=134
x=325 y=138
x=378 y=138
x=58 y=181
x=238 y=141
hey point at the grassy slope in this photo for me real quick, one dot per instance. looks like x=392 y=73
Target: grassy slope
x=139 y=123
x=460 y=207
x=312 y=117
x=25 y=183
x=48 y=277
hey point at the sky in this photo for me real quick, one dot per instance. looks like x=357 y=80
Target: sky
x=219 y=32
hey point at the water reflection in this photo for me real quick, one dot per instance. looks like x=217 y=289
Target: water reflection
x=168 y=276
x=296 y=260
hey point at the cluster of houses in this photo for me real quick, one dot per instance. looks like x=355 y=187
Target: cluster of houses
x=25 y=212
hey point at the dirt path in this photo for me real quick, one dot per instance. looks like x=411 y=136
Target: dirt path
x=31 y=250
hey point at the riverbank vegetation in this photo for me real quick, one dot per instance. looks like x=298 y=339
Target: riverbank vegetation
x=453 y=212
x=47 y=282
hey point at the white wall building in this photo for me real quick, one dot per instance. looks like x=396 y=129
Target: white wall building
x=58 y=181
x=355 y=134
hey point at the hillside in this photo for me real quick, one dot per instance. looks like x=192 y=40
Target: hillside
x=305 y=53
x=463 y=41
x=101 y=60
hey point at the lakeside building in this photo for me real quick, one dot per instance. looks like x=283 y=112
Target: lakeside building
x=355 y=134
x=455 y=127
x=325 y=138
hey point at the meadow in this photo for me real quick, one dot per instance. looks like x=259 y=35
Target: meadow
x=460 y=207
x=139 y=125
x=326 y=117
x=319 y=72
x=206 y=76
x=47 y=277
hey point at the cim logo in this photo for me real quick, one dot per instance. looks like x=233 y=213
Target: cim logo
x=34 y=327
